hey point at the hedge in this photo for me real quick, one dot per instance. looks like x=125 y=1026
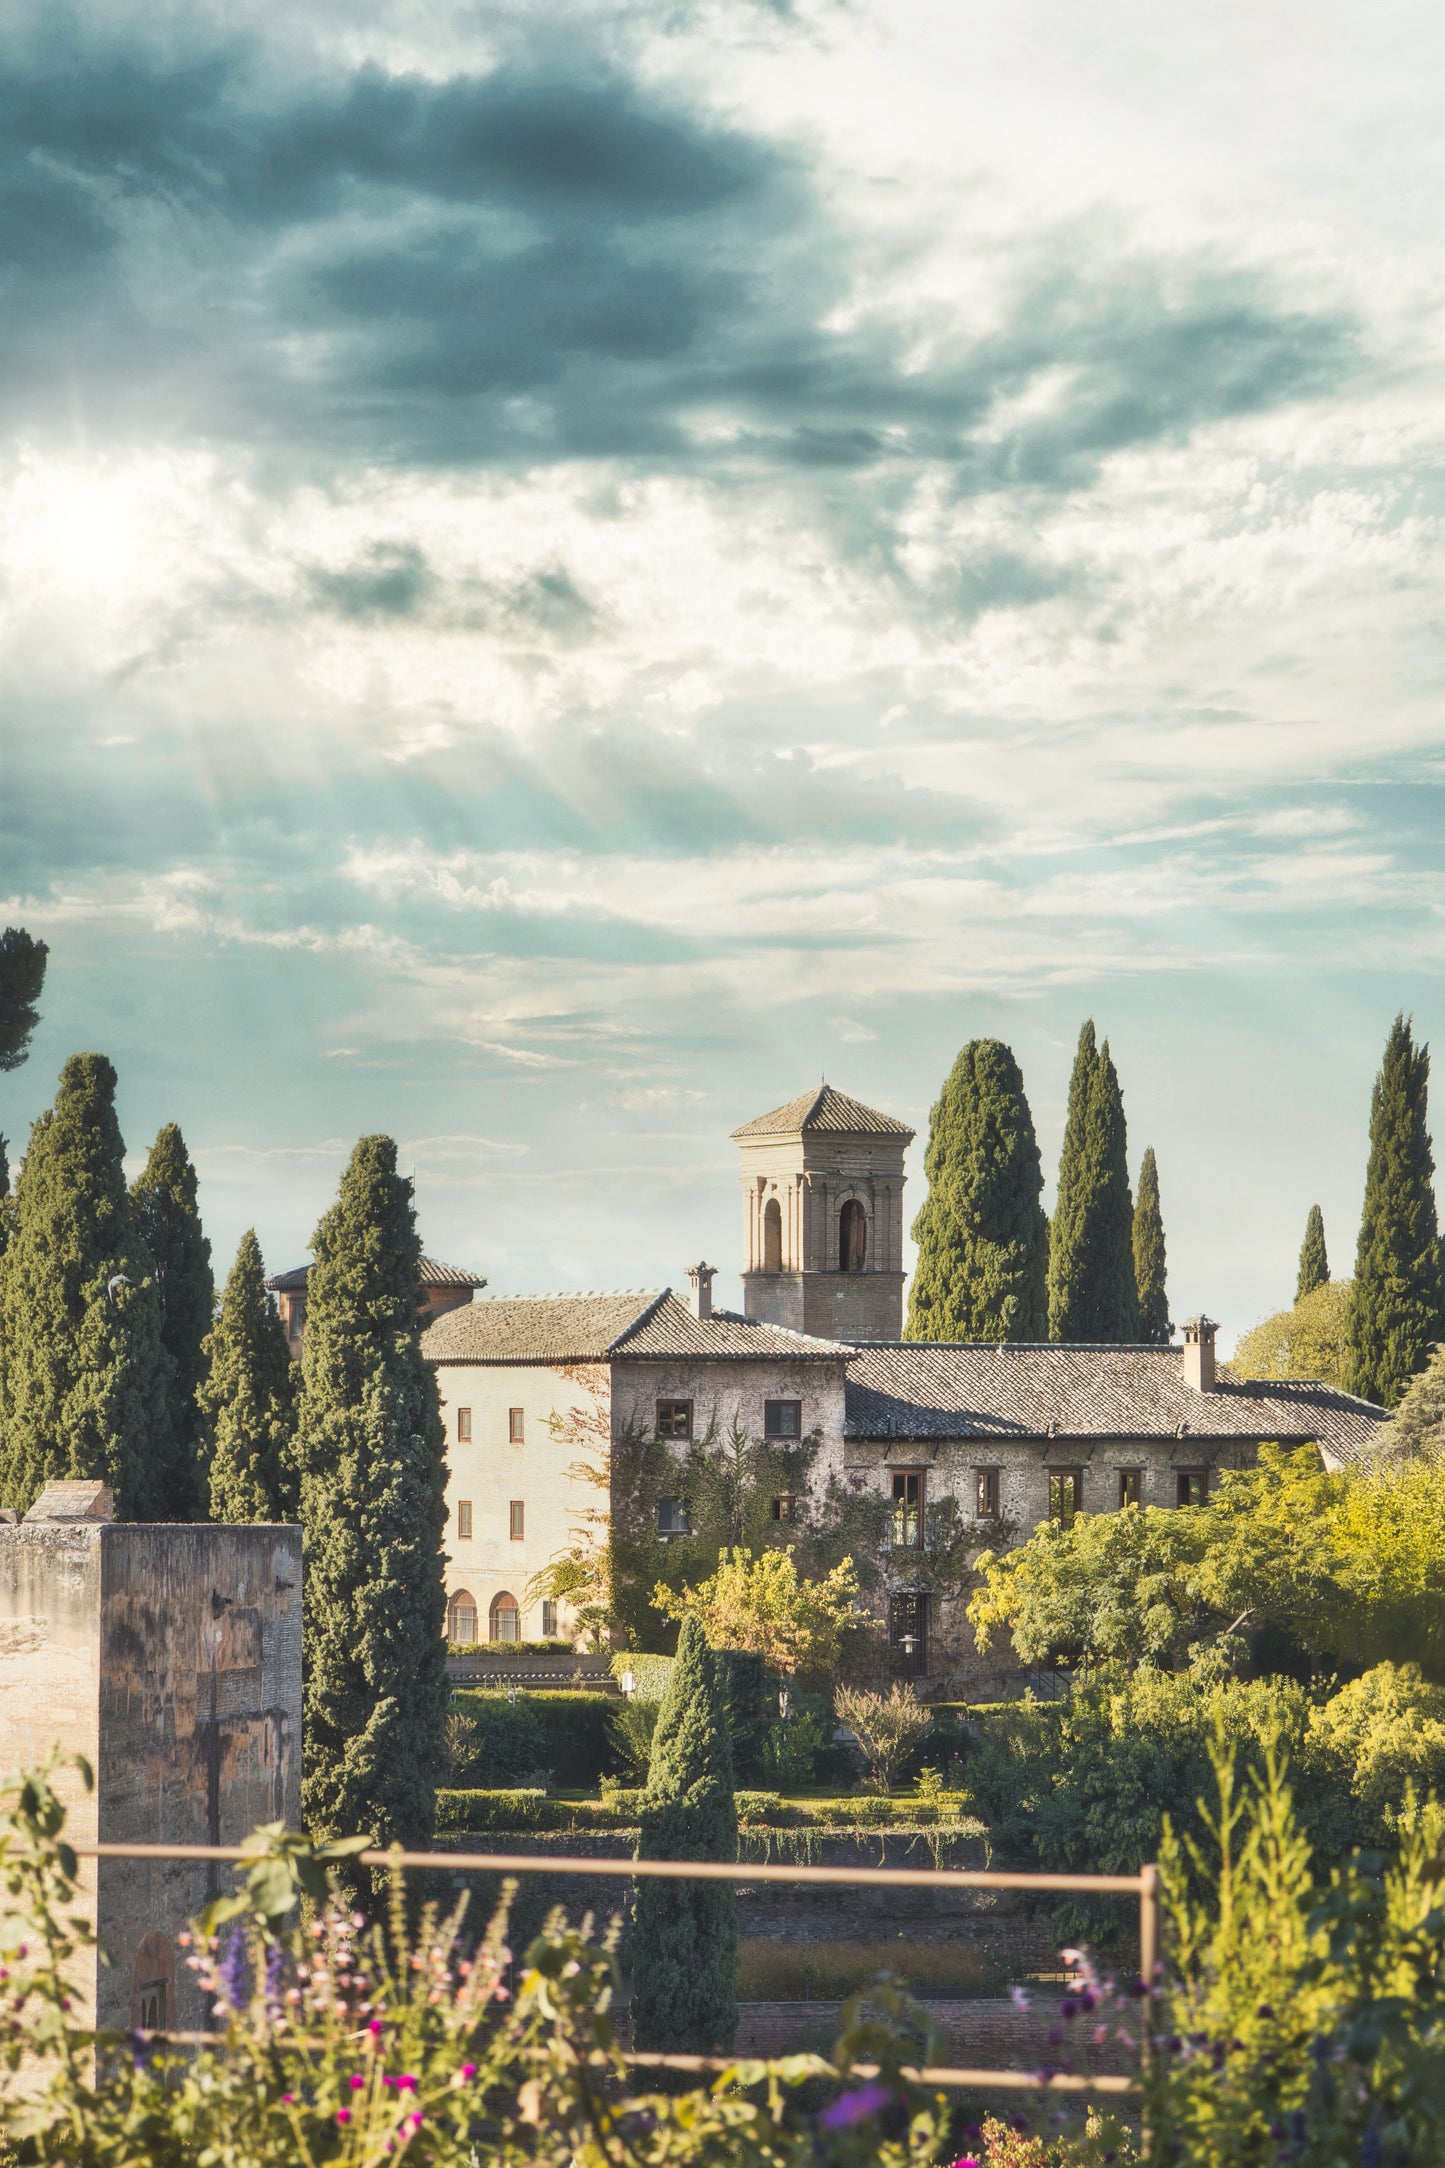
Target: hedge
x=519 y=1737
x=530 y=1808
x=650 y=1674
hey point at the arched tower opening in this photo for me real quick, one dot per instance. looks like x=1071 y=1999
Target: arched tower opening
x=852 y=1237
x=772 y=1236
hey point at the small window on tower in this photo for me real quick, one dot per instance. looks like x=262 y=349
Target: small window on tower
x=516 y=1431
x=772 y=1236
x=674 y=1419
x=464 y=1520
x=852 y=1237
x=782 y=1418
x=519 y=1520
x=464 y=1426
x=986 y=1495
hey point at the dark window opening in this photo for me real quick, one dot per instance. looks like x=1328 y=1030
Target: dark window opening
x=1193 y=1486
x=782 y=1418
x=516 y=1428
x=785 y=1508
x=464 y=1520
x=549 y=1619
x=772 y=1236
x=986 y=1502
x=672 y=1517
x=1131 y=1486
x=674 y=1419
x=852 y=1237
x=908 y=1509
x=1066 y=1494
x=152 y=1995
x=908 y=1633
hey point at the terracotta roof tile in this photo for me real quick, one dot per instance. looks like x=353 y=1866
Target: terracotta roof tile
x=940 y=1391
x=824 y=1109
x=638 y=1326
x=431 y=1272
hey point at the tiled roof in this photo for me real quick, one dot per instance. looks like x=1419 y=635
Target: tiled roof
x=935 y=1391
x=824 y=1109
x=636 y=1326
x=431 y=1272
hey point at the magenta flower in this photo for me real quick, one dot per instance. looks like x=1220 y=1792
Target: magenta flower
x=343 y=2115
x=357 y=2081
x=469 y=2070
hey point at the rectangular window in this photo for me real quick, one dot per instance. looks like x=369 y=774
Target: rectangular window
x=464 y=1426
x=1193 y=1486
x=464 y=1520
x=785 y=1508
x=516 y=1431
x=1131 y=1486
x=672 y=1517
x=674 y=1419
x=986 y=1494
x=782 y=1418
x=519 y=1520
x=549 y=1619
x=908 y=1509
x=1066 y=1494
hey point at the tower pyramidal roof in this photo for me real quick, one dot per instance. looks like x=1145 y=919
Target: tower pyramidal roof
x=824 y=1109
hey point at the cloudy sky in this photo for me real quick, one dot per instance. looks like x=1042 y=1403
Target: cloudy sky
x=566 y=570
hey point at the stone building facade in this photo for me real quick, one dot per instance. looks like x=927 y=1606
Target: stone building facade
x=170 y=1657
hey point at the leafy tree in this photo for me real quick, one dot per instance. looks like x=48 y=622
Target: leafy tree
x=888 y=1727
x=982 y=1270
x=685 y=1935
x=1092 y=1291
x=763 y=1604
x=84 y=1391
x=372 y=1458
x=22 y=975
x=163 y=1201
x=1314 y=1263
x=247 y=1400
x=1148 y=1238
x=1309 y=1341
x=1396 y=1314
x=1418 y=1425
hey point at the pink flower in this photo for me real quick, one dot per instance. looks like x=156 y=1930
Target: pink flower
x=288 y=2100
x=469 y=2070
x=343 y=2115
x=414 y=2122
x=357 y=2081
x=375 y=2026
x=406 y=2084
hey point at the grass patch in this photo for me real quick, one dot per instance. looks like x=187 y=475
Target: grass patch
x=774 y=1971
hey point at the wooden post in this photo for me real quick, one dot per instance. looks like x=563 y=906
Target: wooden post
x=1148 y=1949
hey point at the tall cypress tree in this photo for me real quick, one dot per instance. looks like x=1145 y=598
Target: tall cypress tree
x=22 y=975
x=247 y=1400
x=1314 y=1263
x=1154 y=1325
x=1396 y=1307
x=86 y=1373
x=1092 y=1290
x=163 y=1200
x=372 y=1457
x=982 y=1271
x=685 y=1934
x=1065 y=1232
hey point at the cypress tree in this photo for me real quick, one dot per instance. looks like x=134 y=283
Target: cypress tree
x=685 y=1934
x=1418 y=1425
x=1314 y=1263
x=1064 y=1227
x=982 y=1271
x=163 y=1200
x=22 y=975
x=1395 y=1312
x=247 y=1400
x=1092 y=1291
x=86 y=1373
x=372 y=1459
x=1154 y=1325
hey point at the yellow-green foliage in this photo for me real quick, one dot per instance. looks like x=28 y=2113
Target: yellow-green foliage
x=764 y=1604
x=1309 y=1341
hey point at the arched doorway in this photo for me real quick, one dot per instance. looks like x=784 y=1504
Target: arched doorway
x=505 y=1618
x=462 y=1617
x=772 y=1236
x=153 y=1984
x=852 y=1237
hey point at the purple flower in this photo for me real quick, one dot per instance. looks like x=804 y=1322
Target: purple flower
x=851 y=2108
x=231 y=1971
x=275 y=1971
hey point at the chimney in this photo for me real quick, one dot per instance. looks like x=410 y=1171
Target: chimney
x=74 y=1501
x=1199 y=1352
x=699 y=1278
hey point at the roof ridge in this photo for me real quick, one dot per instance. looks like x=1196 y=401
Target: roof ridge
x=644 y=1317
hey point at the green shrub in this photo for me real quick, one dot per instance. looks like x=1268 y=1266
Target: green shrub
x=630 y=1727
x=650 y=1674
x=750 y=1702
x=1376 y=1739
x=793 y=1749
x=482 y=1810
x=565 y=1732
x=767 y=1808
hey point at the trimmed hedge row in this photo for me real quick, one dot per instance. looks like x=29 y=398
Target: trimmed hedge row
x=563 y=1732
x=530 y=1808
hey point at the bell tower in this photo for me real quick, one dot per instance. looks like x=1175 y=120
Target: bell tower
x=823 y=1204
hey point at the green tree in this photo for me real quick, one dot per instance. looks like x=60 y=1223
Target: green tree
x=247 y=1400
x=1092 y=1291
x=1065 y=1228
x=1309 y=1341
x=763 y=1604
x=372 y=1458
x=1418 y=1424
x=1149 y=1271
x=84 y=1390
x=685 y=1934
x=1314 y=1263
x=22 y=975
x=982 y=1270
x=1396 y=1313
x=163 y=1202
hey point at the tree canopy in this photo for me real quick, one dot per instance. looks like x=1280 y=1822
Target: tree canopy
x=1314 y=1263
x=247 y=1400
x=764 y=1604
x=372 y=1458
x=167 y=1216
x=1149 y=1265
x=1093 y=1294
x=982 y=1270
x=1309 y=1341
x=1396 y=1313
x=22 y=976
